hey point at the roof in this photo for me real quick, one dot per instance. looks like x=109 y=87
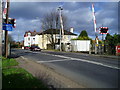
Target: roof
x=32 y=33
x=56 y=31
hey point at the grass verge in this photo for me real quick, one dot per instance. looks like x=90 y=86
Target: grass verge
x=16 y=77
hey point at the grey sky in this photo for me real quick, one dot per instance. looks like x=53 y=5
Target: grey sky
x=29 y=15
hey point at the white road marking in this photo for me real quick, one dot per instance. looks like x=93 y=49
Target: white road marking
x=75 y=59
x=83 y=60
x=52 y=61
x=113 y=67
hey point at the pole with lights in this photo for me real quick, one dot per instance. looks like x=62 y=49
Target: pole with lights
x=61 y=27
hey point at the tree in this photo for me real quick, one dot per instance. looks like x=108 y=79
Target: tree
x=83 y=34
x=116 y=39
x=112 y=41
x=108 y=39
x=51 y=21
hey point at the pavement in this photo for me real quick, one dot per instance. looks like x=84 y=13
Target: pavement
x=47 y=75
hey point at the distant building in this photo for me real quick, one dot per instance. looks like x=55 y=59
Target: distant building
x=31 y=38
x=43 y=39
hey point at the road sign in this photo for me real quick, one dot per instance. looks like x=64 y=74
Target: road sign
x=7 y=27
x=118 y=50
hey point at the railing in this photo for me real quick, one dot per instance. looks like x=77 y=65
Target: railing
x=102 y=49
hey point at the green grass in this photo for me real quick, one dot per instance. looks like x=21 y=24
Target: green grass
x=8 y=62
x=16 y=77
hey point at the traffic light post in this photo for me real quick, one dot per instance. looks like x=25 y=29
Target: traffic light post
x=0 y=44
x=0 y=28
x=6 y=32
x=8 y=25
x=103 y=30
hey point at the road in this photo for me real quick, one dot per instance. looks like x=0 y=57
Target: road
x=88 y=70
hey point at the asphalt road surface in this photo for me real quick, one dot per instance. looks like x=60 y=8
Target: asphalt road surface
x=88 y=70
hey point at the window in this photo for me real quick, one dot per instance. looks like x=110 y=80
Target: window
x=28 y=39
x=34 y=39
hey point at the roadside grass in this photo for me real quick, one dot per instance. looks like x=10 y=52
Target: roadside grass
x=6 y=63
x=16 y=77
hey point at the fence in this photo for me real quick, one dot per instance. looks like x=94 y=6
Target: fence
x=102 y=49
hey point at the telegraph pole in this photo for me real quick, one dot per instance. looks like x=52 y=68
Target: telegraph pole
x=61 y=27
x=6 y=32
x=1 y=44
x=0 y=27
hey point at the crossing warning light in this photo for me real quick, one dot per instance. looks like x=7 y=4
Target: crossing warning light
x=103 y=30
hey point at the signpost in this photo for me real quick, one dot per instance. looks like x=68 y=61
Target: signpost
x=103 y=30
x=118 y=50
x=7 y=27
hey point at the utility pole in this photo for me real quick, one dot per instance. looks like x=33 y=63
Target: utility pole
x=6 y=32
x=61 y=27
x=1 y=44
x=0 y=27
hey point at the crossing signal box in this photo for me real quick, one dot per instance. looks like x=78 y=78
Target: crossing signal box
x=103 y=30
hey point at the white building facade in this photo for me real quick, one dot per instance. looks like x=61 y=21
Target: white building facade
x=43 y=39
x=31 y=38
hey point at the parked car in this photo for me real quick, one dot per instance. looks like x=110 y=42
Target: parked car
x=26 y=47
x=35 y=48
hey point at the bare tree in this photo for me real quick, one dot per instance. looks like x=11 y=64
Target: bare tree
x=51 y=22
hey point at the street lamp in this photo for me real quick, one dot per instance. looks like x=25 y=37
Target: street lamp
x=61 y=25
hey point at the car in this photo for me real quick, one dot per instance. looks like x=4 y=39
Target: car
x=26 y=47
x=35 y=48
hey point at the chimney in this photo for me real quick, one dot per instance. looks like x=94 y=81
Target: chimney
x=71 y=29
x=34 y=30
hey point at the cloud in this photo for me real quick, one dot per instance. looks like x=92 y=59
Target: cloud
x=23 y=26
x=79 y=15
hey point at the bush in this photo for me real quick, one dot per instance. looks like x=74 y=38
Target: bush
x=82 y=38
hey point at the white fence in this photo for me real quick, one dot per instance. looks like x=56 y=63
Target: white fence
x=80 y=45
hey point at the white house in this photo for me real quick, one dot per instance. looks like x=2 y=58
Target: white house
x=45 y=37
x=31 y=38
